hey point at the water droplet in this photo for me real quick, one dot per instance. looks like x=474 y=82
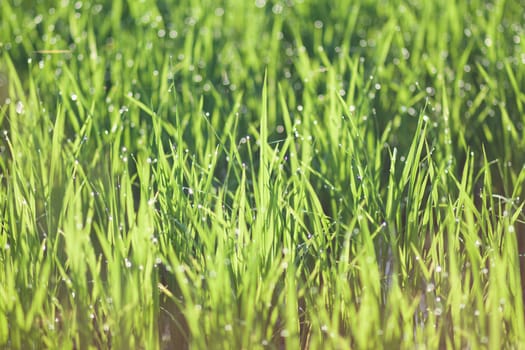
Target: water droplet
x=277 y=9
x=19 y=107
x=260 y=3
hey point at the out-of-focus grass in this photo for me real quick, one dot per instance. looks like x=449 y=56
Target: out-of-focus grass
x=273 y=174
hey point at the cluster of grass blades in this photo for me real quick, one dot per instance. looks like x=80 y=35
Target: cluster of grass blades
x=261 y=174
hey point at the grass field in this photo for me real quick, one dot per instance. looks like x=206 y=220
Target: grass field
x=262 y=174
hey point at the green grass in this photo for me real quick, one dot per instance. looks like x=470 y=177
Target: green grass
x=262 y=174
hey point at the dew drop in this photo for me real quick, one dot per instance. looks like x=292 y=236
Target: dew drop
x=19 y=107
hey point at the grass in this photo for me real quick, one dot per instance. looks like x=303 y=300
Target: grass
x=268 y=174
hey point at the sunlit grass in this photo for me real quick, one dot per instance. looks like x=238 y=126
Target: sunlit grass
x=261 y=174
